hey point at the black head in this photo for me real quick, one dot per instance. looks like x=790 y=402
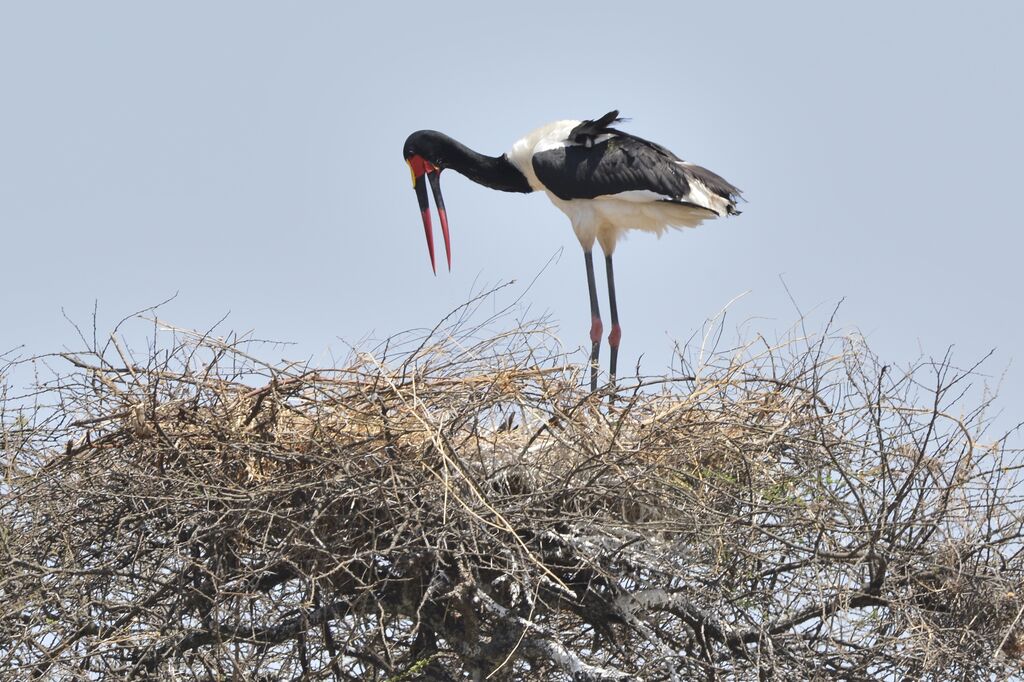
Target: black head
x=429 y=152
x=424 y=152
x=429 y=145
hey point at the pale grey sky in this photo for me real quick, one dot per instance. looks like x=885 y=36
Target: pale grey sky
x=247 y=155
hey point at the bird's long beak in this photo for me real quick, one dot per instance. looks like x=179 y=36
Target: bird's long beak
x=420 y=167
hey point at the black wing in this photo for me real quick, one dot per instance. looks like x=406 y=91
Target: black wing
x=619 y=164
x=585 y=169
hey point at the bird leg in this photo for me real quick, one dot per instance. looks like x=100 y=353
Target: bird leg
x=595 y=321
x=616 y=333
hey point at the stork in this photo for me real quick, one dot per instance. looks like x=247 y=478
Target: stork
x=606 y=181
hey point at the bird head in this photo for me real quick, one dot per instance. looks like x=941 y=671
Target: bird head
x=424 y=152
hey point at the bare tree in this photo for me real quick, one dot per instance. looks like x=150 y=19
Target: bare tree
x=457 y=507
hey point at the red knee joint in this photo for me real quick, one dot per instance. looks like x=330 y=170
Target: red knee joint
x=595 y=329
x=615 y=336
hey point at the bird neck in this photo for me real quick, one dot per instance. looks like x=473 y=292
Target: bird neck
x=496 y=172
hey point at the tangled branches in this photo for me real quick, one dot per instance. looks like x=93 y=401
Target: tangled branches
x=460 y=507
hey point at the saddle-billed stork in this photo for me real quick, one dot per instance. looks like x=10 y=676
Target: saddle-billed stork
x=605 y=180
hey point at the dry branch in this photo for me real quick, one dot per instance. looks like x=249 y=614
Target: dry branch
x=457 y=506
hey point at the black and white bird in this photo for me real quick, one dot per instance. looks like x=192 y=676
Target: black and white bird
x=606 y=181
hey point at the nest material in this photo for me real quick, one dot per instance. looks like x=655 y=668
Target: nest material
x=462 y=507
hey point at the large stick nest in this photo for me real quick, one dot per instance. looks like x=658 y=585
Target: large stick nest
x=459 y=506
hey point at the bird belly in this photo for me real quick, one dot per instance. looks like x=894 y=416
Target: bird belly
x=608 y=218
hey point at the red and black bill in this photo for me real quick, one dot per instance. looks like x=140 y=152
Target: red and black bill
x=421 y=167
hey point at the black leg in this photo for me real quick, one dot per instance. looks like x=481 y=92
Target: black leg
x=616 y=333
x=595 y=320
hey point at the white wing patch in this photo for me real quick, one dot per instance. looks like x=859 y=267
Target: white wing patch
x=640 y=196
x=699 y=194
